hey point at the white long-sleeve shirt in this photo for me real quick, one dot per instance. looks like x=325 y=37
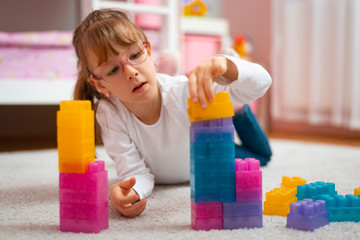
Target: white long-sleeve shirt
x=160 y=153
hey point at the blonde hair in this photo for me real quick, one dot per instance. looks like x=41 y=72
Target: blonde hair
x=98 y=33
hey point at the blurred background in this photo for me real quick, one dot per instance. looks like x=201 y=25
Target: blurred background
x=310 y=48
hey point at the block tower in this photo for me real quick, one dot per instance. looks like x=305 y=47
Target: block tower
x=213 y=177
x=83 y=182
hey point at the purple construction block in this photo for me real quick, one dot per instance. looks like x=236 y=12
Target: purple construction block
x=84 y=200
x=243 y=222
x=219 y=122
x=248 y=180
x=242 y=215
x=206 y=216
x=242 y=209
x=307 y=215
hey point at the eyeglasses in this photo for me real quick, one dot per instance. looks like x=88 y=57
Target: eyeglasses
x=114 y=70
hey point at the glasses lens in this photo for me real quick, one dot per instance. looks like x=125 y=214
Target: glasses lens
x=112 y=72
x=137 y=55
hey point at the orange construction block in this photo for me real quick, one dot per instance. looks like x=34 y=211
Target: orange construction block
x=220 y=107
x=278 y=200
x=75 y=136
x=357 y=191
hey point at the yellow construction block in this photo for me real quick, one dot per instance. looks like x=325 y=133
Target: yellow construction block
x=75 y=136
x=278 y=200
x=220 y=107
x=357 y=191
x=288 y=182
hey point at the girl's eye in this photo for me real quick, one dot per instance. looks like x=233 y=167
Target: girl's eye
x=113 y=71
x=135 y=55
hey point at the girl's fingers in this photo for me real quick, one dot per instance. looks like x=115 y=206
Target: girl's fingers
x=193 y=87
x=127 y=184
x=133 y=210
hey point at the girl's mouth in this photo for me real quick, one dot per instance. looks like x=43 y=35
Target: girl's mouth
x=139 y=88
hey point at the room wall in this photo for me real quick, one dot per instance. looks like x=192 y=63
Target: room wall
x=38 y=15
x=253 y=17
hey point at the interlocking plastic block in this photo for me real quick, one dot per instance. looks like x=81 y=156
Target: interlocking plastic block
x=342 y=208
x=248 y=180
x=206 y=216
x=218 y=188
x=220 y=107
x=75 y=136
x=84 y=200
x=307 y=215
x=313 y=190
x=278 y=200
x=357 y=191
x=288 y=182
x=242 y=214
x=220 y=150
x=215 y=130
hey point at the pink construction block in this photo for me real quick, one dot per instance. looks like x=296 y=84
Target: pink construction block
x=84 y=200
x=248 y=180
x=206 y=216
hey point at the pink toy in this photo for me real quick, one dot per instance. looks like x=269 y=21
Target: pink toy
x=84 y=200
x=206 y=216
x=248 y=179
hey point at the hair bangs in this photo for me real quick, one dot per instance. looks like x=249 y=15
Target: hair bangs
x=102 y=36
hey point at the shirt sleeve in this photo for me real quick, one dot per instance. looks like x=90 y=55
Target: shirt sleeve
x=128 y=162
x=252 y=83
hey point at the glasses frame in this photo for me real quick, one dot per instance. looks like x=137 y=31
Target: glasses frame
x=126 y=60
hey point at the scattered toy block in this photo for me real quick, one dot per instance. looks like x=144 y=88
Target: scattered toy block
x=278 y=200
x=313 y=190
x=342 y=208
x=307 y=215
x=357 y=191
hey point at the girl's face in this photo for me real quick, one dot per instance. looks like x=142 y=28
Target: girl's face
x=130 y=76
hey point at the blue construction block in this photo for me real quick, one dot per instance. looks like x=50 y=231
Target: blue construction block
x=213 y=194
x=217 y=180
x=212 y=149
x=307 y=215
x=314 y=190
x=343 y=208
x=212 y=165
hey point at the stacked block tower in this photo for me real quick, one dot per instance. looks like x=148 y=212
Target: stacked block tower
x=221 y=195
x=83 y=182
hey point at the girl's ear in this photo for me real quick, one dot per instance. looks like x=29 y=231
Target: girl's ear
x=99 y=86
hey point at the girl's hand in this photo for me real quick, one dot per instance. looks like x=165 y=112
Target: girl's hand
x=202 y=77
x=123 y=198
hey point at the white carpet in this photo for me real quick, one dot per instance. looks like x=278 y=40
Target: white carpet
x=29 y=207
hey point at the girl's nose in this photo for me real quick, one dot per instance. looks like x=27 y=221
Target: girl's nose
x=130 y=72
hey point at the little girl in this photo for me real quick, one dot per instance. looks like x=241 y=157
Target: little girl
x=143 y=115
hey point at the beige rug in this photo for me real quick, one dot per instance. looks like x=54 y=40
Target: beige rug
x=29 y=207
